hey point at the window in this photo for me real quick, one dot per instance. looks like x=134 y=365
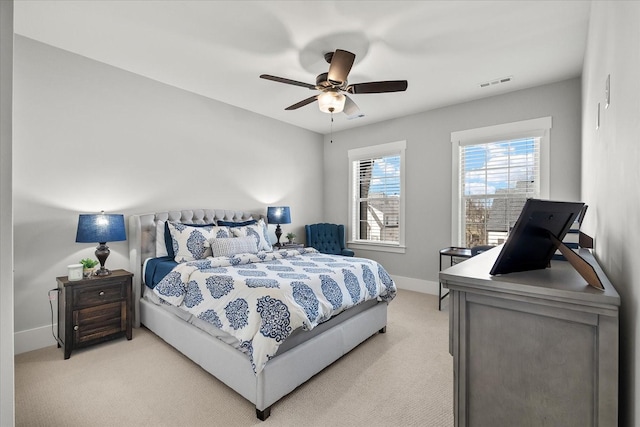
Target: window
x=495 y=170
x=376 y=197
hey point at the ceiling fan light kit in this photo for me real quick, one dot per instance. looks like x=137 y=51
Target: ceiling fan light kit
x=331 y=102
x=334 y=87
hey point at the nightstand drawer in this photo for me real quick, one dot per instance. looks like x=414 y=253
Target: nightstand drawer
x=99 y=293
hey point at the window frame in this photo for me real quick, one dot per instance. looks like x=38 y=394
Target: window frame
x=382 y=150
x=534 y=128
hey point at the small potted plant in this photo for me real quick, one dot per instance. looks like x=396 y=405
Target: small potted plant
x=87 y=266
x=291 y=237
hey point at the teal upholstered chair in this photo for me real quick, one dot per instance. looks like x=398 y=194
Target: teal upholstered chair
x=327 y=238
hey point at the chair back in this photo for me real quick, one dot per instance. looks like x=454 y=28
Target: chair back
x=327 y=238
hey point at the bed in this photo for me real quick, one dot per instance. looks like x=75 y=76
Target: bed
x=261 y=375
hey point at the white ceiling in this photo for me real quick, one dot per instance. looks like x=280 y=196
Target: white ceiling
x=445 y=49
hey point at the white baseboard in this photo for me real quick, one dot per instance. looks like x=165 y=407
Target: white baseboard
x=416 y=285
x=33 y=339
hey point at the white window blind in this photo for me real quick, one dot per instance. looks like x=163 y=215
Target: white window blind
x=495 y=169
x=496 y=179
x=378 y=204
x=376 y=195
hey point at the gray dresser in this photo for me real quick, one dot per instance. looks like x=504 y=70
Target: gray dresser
x=535 y=348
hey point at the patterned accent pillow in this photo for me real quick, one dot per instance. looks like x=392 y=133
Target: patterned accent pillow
x=221 y=233
x=233 y=246
x=168 y=241
x=259 y=233
x=191 y=243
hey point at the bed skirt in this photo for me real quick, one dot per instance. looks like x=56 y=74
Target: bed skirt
x=283 y=373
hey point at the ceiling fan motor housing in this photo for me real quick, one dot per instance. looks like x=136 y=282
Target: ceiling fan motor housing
x=323 y=81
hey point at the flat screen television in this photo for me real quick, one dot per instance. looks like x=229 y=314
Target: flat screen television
x=530 y=245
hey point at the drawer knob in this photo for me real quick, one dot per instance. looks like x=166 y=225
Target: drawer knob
x=101 y=293
x=75 y=328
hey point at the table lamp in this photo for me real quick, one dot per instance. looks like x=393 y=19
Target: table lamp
x=101 y=228
x=278 y=215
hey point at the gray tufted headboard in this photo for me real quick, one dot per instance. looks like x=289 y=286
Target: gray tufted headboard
x=143 y=231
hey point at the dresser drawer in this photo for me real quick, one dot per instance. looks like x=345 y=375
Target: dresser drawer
x=99 y=293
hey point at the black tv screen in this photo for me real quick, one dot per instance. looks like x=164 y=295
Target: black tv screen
x=529 y=245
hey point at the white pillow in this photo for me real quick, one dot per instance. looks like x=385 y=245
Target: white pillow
x=161 y=247
x=258 y=231
x=191 y=243
x=233 y=246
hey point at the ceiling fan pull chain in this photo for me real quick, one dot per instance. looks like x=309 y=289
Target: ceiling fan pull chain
x=331 y=128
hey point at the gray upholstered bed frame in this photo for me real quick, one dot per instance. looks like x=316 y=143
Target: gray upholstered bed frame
x=283 y=373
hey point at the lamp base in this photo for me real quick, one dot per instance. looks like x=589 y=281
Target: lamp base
x=102 y=272
x=278 y=234
x=102 y=252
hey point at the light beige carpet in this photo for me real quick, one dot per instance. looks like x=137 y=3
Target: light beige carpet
x=401 y=378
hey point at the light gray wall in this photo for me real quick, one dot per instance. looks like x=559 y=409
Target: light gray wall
x=89 y=137
x=611 y=173
x=428 y=164
x=7 y=417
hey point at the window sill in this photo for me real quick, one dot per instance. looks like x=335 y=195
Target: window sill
x=381 y=247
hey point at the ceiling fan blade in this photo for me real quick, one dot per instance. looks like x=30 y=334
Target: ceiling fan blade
x=341 y=64
x=302 y=103
x=351 y=109
x=378 y=87
x=287 y=81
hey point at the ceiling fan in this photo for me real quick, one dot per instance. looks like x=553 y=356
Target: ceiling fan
x=334 y=87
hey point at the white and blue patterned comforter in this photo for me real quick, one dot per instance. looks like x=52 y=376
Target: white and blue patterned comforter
x=260 y=299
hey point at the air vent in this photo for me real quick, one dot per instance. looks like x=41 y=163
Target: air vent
x=496 y=81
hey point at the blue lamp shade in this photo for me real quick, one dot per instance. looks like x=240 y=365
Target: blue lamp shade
x=100 y=228
x=278 y=215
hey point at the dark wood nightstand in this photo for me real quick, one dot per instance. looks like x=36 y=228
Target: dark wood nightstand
x=289 y=246
x=94 y=310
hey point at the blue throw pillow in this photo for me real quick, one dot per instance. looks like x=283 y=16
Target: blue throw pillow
x=236 y=224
